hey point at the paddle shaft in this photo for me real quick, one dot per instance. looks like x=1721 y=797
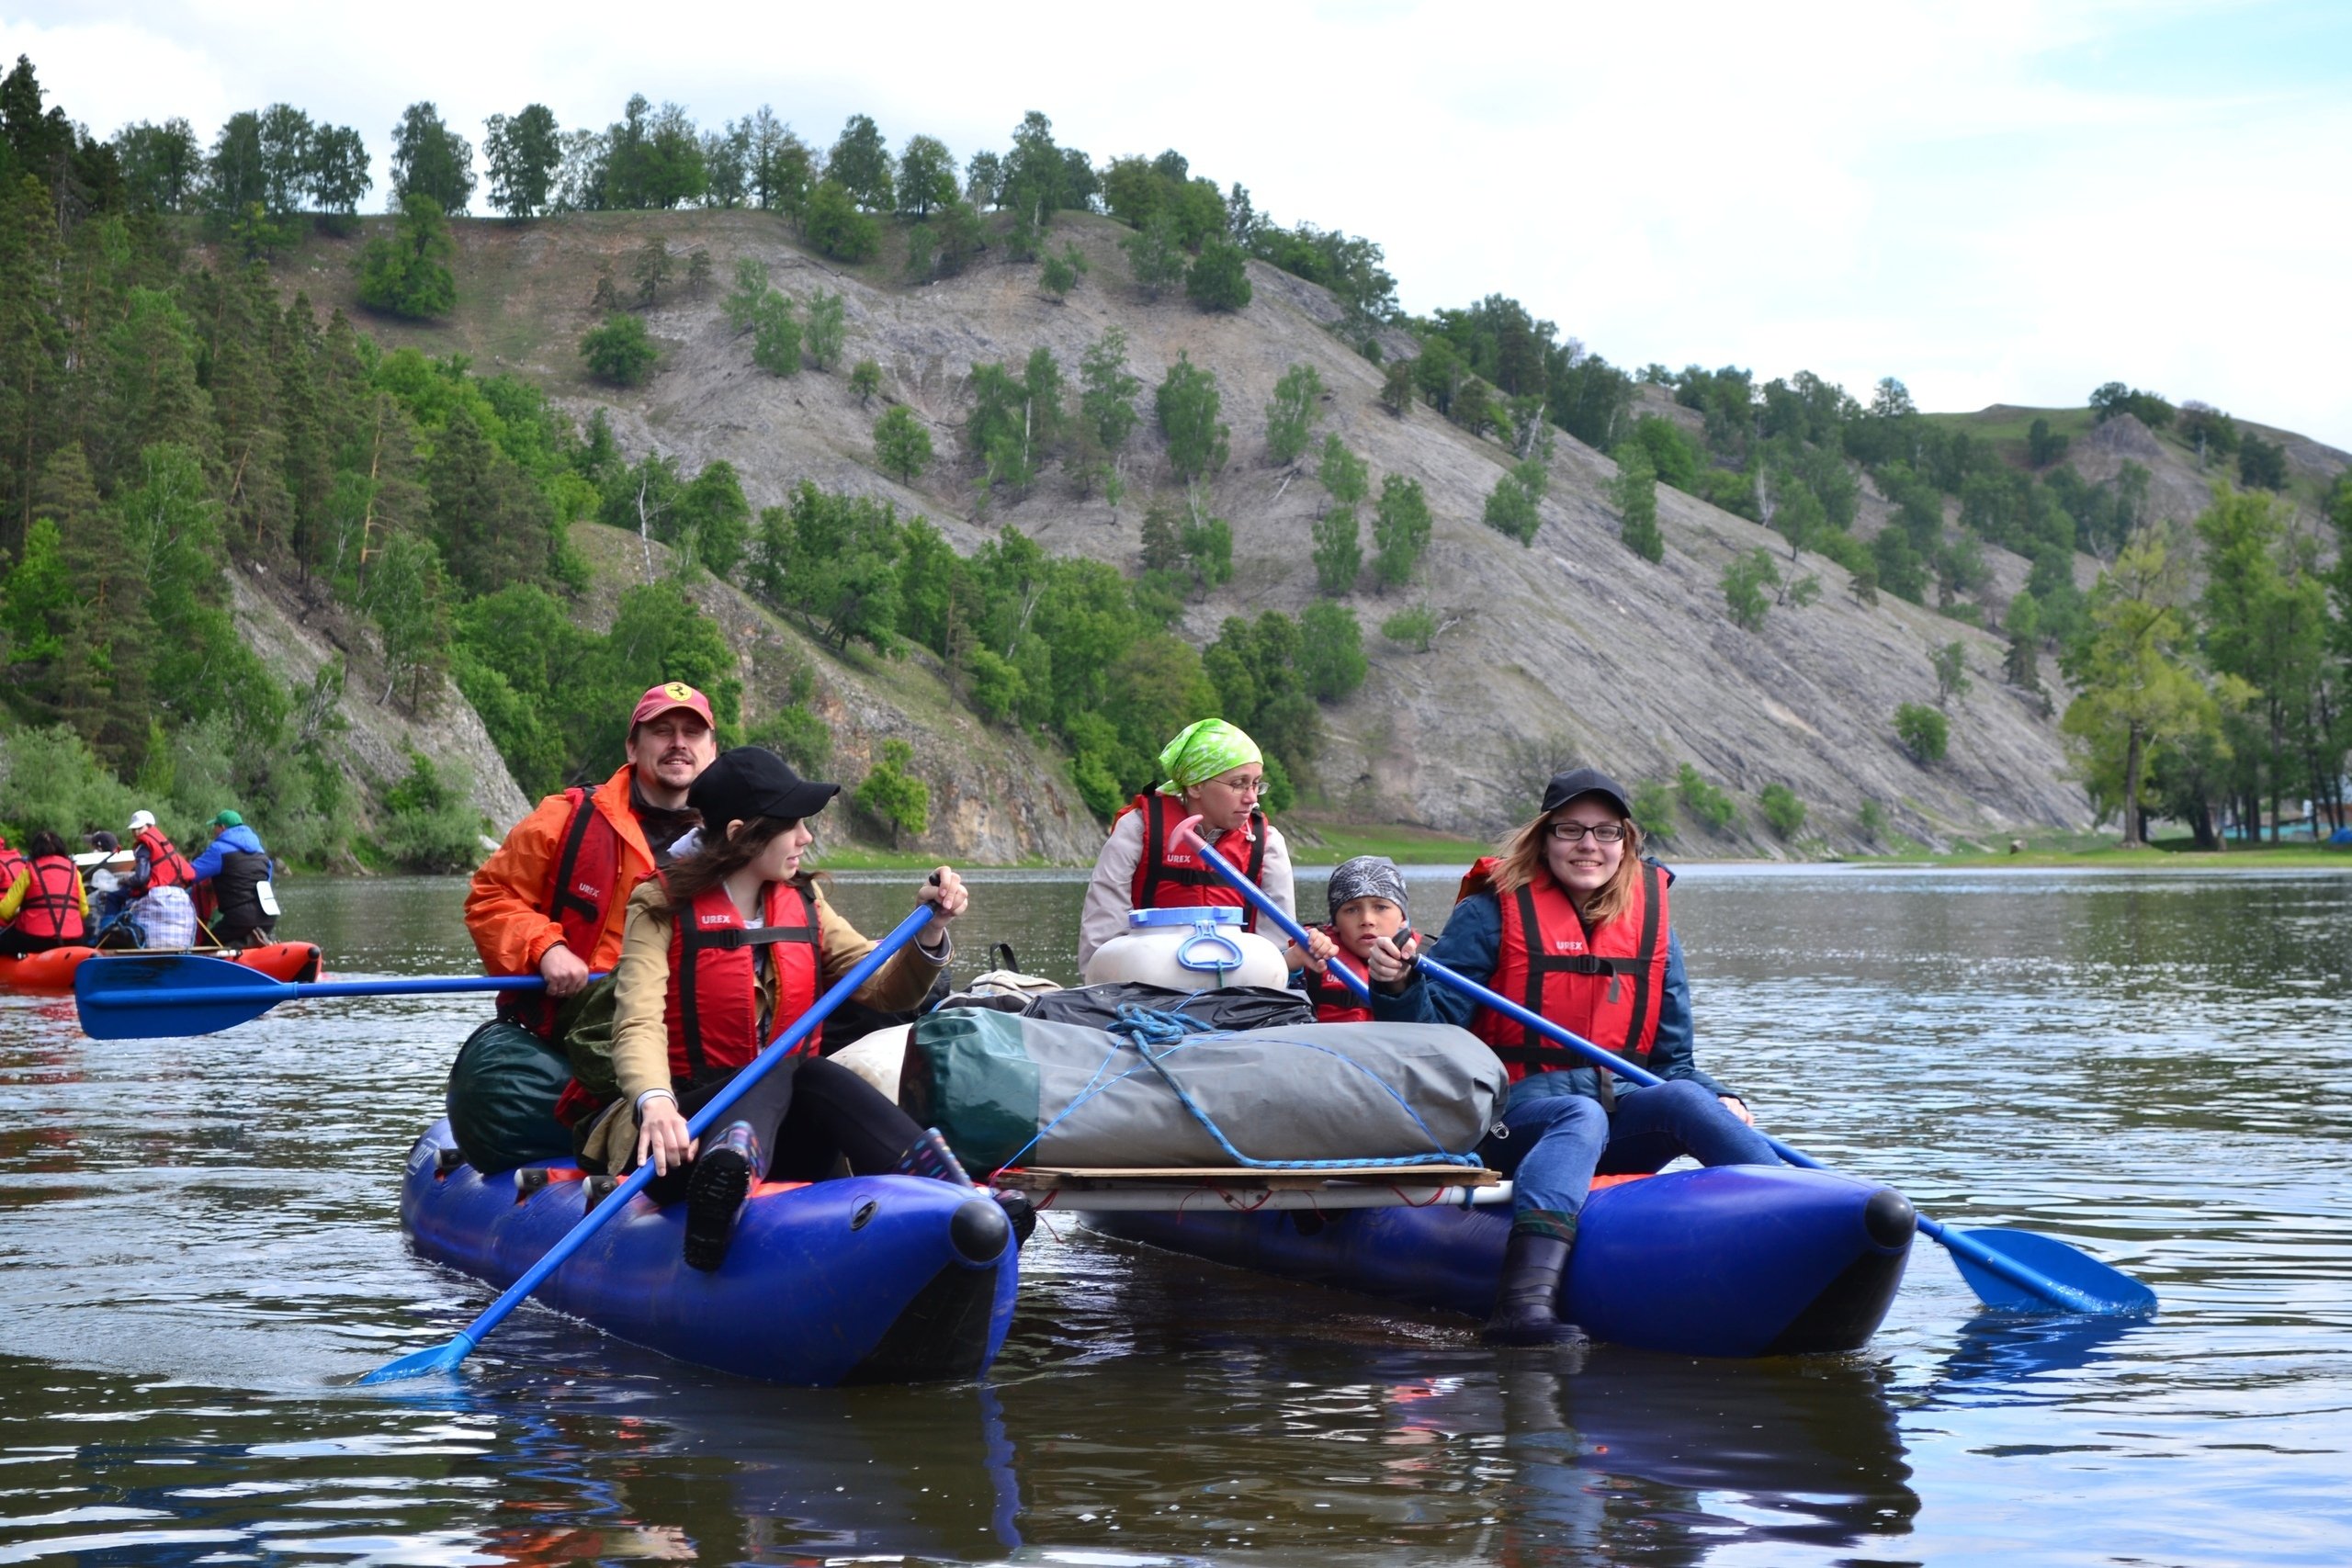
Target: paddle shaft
x=270 y=992
x=2056 y=1291
x=471 y=1336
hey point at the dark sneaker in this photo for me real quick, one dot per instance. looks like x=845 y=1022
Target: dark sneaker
x=1020 y=1211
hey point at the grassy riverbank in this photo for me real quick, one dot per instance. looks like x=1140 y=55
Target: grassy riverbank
x=2100 y=851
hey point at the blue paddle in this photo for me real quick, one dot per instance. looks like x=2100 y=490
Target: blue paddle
x=144 y=996
x=2015 y=1270
x=445 y=1358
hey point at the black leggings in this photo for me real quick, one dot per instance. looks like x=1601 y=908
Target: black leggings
x=17 y=944
x=810 y=1114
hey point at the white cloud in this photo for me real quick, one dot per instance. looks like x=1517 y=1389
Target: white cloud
x=1969 y=197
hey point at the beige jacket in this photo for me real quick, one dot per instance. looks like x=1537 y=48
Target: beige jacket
x=641 y=990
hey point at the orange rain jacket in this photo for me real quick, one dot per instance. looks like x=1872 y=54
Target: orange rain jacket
x=506 y=911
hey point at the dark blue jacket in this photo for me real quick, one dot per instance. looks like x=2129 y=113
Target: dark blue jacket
x=240 y=840
x=1471 y=946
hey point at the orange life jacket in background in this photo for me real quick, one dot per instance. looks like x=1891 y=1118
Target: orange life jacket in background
x=52 y=904
x=713 y=1009
x=1176 y=878
x=580 y=890
x=1606 y=985
x=166 y=867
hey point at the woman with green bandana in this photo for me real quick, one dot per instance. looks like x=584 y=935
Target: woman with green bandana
x=1211 y=770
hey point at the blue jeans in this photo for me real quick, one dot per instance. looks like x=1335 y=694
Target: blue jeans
x=1558 y=1142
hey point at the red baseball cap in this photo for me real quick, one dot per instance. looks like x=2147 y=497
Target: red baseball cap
x=659 y=699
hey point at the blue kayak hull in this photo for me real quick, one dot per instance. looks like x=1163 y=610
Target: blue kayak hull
x=1735 y=1260
x=853 y=1280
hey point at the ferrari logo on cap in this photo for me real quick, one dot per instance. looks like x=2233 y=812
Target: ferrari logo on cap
x=678 y=689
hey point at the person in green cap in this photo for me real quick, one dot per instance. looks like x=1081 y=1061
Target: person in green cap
x=1211 y=770
x=237 y=869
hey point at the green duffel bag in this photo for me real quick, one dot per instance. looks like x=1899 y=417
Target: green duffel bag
x=501 y=1097
x=998 y=1086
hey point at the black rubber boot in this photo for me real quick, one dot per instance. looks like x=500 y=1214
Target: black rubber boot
x=722 y=1177
x=1527 y=1303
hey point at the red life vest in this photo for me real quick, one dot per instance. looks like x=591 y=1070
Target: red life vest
x=52 y=904
x=1606 y=985
x=11 y=861
x=166 y=867
x=1334 y=1002
x=579 y=891
x=712 y=1010
x=1168 y=878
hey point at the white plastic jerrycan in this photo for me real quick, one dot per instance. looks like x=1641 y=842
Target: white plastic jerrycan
x=1199 y=949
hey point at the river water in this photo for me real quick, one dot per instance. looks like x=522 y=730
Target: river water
x=199 y=1249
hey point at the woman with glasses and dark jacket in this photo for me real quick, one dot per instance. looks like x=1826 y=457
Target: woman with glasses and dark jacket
x=1572 y=923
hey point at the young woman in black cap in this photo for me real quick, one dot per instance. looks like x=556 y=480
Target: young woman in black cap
x=1571 y=921
x=719 y=954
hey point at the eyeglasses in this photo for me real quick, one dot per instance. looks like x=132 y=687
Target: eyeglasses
x=1605 y=832
x=1244 y=786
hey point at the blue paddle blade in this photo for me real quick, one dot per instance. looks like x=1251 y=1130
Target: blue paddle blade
x=143 y=996
x=2110 y=1291
x=424 y=1363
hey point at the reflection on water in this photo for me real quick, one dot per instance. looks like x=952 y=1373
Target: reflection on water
x=198 y=1247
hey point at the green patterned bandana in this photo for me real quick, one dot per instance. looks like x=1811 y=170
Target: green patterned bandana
x=1202 y=752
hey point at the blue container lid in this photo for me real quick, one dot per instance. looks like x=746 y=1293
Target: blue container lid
x=1199 y=914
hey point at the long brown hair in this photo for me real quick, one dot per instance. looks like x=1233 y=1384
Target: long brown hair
x=1523 y=860
x=719 y=857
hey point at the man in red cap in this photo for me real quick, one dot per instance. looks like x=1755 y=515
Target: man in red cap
x=550 y=903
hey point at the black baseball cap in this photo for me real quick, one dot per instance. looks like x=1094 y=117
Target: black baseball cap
x=751 y=780
x=1565 y=787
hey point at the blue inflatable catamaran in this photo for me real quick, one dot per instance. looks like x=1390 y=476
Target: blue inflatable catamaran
x=874 y=1279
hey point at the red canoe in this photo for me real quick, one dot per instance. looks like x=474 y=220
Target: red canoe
x=53 y=970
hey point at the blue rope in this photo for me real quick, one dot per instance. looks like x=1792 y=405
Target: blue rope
x=1145 y=1028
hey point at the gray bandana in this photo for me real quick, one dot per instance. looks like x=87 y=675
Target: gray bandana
x=1367 y=876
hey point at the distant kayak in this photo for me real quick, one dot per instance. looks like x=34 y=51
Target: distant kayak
x=866 y=1279
x=1733 y=1260
x=53 y=971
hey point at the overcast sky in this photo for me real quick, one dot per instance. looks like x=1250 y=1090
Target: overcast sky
x=2008 y=200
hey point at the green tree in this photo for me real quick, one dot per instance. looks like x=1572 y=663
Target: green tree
x=2262 y=465
x=1923 y=732
x=742 y=305
x=926 y=176
x=522 y=155
x=775 y=335
x=1634 y=494
x=892 y=796
x=1782 y=809
x=2138 y=688
x=1331 y=652
x=1706 y=804
x=1744 y=583
x=900 y=443
x=865 y=380
x=2043 y=448
x=1155 y=257
x=619 y=351
x=1416 y=628
x=1950 y=662
x=1400 y=531
x=407 y=272
x=860 y=164
x=336 y=172
x=714 y=519
x=1218 y=278
x=1107 y=396
x=1062 y=272
x=1188 y=405
x=652 y=266
x=1290 y=417
x=825 y=330
x=698 y=267
x=408 y=597
x=1397 y=387
x=1339 y=551
x=431 y=160
x=835 y=227
x=1512 y=512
